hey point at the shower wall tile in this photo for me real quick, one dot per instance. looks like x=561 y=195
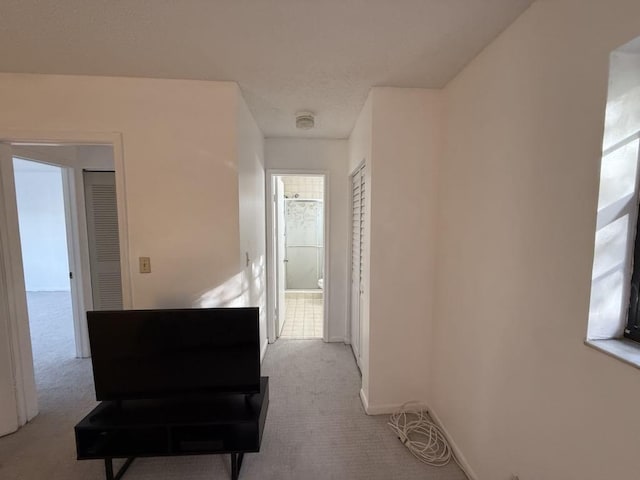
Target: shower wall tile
x=304 y=187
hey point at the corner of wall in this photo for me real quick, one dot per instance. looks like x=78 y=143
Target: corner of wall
x=249 y=145
x=460 y=458
x=405 y=151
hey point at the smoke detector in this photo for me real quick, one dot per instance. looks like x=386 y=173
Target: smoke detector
x=305 y=120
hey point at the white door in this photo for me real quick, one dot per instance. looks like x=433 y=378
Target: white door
x=8 y=402
x=357 y=257
x=104 y=240
x=280 y=254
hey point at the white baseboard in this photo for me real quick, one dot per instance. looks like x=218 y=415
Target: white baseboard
x=365 y=402
x=336 y=340
x=263 y=350
x=462 y=461
x=387 y=409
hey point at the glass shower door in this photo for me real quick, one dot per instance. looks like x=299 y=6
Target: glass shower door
x=304 y=243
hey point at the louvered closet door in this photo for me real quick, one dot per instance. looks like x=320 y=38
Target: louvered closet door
x=357 y=257
x=104 y=243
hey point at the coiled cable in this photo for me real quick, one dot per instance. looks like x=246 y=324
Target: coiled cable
x=424 y=439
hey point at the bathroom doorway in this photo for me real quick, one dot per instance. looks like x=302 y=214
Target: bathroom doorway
x=298 y=248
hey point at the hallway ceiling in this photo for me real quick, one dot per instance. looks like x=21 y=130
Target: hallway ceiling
x=286 y=55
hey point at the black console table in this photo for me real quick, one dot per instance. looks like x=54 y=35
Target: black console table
x=222 y=423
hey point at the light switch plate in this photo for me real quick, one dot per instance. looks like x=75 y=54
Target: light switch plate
x=145 y=264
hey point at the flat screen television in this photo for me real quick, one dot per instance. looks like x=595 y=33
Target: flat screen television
x=145 y=354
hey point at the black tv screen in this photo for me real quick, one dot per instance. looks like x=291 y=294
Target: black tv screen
x=140 y=354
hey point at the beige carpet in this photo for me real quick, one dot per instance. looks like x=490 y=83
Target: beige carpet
x=316 y=427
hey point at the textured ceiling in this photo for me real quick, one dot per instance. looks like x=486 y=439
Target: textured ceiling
x=286 y=55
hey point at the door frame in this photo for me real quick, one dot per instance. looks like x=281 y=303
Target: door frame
x=280 y=254
x=11 y=304
x=271 y=232
x=77 y=243
x=13 y=300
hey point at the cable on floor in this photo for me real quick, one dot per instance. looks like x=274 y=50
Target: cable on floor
x=424 y=439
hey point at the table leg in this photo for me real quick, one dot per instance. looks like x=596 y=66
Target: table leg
x=236 y=464
x=108 y=468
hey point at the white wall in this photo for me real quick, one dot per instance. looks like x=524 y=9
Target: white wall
x=251 y=191
x=398 y=136
x=512 y=380
x=331 y=156
x=181 y=185
x=406 y=147
x=43 y=235
x=360 y=138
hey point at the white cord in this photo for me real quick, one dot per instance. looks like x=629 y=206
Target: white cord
x=424 y=439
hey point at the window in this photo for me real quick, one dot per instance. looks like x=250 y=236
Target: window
x=617 y=219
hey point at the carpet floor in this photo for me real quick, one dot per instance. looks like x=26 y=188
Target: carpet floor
x=316 y=427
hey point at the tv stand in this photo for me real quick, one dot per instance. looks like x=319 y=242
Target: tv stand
x=205 y=424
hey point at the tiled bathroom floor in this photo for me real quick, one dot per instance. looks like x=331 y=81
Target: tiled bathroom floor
x=304 y=316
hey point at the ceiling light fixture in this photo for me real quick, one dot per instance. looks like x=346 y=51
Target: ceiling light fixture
x=305 y=120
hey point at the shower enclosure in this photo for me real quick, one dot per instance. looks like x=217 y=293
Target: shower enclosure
x=304 y=243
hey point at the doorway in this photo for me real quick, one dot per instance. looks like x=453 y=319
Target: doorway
x=45 y=265
x=298 y=254
x=43 y=239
